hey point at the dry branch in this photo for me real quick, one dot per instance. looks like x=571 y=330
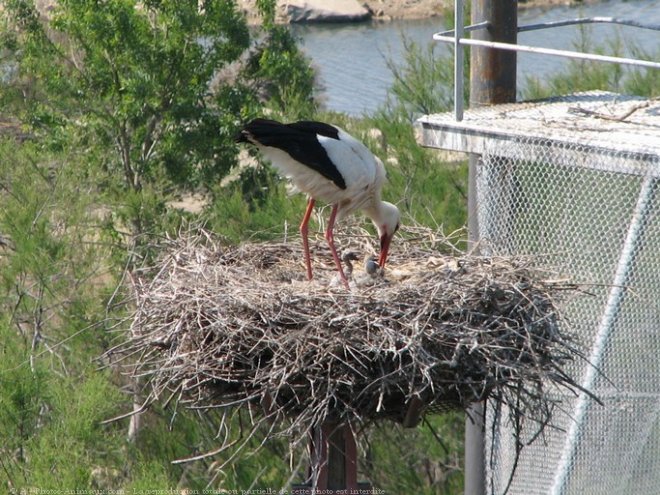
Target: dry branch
x=221 y=326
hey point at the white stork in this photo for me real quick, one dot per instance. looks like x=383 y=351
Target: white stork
x=330 y=165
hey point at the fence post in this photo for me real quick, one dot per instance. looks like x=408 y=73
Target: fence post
x=492 y=81
x=333 y=466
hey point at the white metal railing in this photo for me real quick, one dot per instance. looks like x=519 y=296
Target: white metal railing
x=455 y=36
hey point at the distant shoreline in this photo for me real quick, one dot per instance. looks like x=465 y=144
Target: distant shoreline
x=387 y=10
x=381 y=10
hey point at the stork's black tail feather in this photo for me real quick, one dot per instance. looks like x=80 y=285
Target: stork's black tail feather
x=259 y=129
x=268 y=132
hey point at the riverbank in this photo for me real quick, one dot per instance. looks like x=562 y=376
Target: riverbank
x=381 y=10
x=420 y=9
x=386 y=10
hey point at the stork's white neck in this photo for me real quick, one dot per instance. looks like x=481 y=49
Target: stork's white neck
x=385 y=216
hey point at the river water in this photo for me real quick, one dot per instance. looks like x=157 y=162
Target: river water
x=351 y=59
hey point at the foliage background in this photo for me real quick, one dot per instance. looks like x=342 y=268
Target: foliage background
x=111 y=115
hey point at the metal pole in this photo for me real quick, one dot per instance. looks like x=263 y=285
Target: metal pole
x=458 y=60
x=492 y=81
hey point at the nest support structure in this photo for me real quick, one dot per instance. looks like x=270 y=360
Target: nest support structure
x=226 y=326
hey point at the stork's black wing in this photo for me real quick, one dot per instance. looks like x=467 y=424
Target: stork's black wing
x=299 y=140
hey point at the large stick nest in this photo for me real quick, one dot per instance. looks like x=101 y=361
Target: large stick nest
x=240 y=325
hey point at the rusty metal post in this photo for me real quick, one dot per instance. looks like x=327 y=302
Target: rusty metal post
x=493 y=72
x=334 y=458
x=492 y=81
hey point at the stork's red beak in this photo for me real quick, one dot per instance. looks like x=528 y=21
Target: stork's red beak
x=385 y=240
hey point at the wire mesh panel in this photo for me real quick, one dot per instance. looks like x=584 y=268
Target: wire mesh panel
x=580 y=219
x=582 y=195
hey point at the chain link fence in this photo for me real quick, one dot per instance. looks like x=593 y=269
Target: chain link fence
x=587 y=204
x=599 y=227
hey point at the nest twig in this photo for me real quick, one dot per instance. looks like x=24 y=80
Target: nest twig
x=240 y=326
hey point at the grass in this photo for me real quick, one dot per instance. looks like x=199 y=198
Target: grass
x=583 y=75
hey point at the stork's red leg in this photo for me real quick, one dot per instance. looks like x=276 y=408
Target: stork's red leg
x=304 y=229
x=331 y=242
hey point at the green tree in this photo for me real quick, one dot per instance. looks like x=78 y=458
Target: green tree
x=131 y=82
x=53 y=278
x=423 y=83
x=132 y=78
